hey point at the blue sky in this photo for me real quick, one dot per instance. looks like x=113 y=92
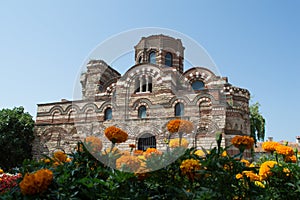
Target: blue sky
x=255 y=44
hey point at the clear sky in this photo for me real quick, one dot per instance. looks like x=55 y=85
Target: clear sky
x=255 y=44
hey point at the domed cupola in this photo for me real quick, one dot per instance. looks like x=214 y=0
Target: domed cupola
x=162 y=50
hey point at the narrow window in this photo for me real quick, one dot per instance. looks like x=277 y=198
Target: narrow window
x=179 y=109
x=152 y=57
x=108 y=114
x=168 y=59
x=142 y=112
x=137 y=85
x=140 y=59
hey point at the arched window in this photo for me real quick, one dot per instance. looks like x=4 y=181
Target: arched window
x=152 y=57
x=146 y=141
x=142 y=112
x=168 y=59
x=108 y=114
x=179 y=109
x=143 y=84
x=198 y=85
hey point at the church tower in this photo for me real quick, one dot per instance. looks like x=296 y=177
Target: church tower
x=162 y=50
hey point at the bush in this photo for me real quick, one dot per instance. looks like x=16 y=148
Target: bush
x=16 y=136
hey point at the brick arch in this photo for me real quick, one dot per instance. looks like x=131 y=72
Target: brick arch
x=142 y=69
x=107 y=104
x=72 y=107
x=204 y=97
x=199 y=73
x=142 y=102
x=56 y=109
x=89 y=106
x=176 y=100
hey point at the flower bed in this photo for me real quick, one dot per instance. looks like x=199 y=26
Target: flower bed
x=196 y=174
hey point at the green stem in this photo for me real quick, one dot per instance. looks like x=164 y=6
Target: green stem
x=180 y=138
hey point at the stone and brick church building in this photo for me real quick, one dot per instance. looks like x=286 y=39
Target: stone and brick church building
x=142 y=101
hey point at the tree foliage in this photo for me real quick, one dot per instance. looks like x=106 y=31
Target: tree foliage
x=257 y=123
x=16 y=136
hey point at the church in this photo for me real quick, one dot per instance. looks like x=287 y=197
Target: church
x=155 y=90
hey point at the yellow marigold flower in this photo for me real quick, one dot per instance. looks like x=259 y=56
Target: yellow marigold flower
x=265 y=169
x=68 y=159
x=175 y=143
x=270 y=146
x=200 y=153
x=246 y=162
x=259 y=184
x=1 y=171
x=251 y=175
x=189 y=167
x=37 y=182
x=286 y=171
x=252 y=165
x=228 y=166
x=224 y=154
x=131 y=163
x=180 y=125
x=93 y=144
x=244 y=142
x=115 y=135
x=284 y=150
x=60 y=156
x=291 y=159
x=238 y=176
x=151 y=151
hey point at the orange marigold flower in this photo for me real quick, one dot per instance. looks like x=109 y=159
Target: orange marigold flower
x=189 y=167
x=180 y=125
x=265 y=169
x=138 y=152
x=1 y=171
x=270 y=146
x=246 y=162
x=60 y=156
x=93 y=144
x=128 y=162
x=244 y=142
x=175 y=143
x=285 y=150
x=115 y=135
x=37 y=182
x=151 y=151
x=291 y=159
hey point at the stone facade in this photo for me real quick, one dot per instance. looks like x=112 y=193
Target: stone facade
x=142 y=101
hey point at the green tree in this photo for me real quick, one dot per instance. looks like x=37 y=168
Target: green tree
x=257 y=123
x=16 y=136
